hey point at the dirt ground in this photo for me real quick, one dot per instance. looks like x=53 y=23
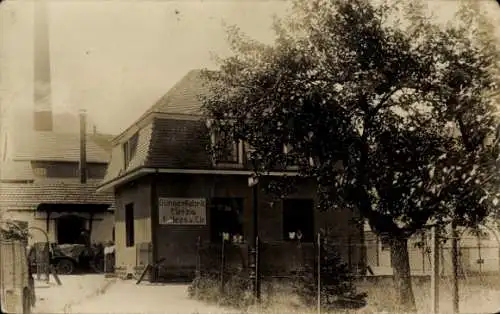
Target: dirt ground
x=94 y=294
x=88 y=294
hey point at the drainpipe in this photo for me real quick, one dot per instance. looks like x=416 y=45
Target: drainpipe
x=83 y=146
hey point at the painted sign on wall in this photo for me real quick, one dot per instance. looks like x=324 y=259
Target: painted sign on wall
x=182 y=211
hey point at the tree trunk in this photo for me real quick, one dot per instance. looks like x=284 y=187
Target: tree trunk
x=401 y=271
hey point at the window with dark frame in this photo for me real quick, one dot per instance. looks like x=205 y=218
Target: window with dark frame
x=129 y=225
x=292 y=159
x=130 y=148
x=298 y=218
x=226 y=216
x=227 y=151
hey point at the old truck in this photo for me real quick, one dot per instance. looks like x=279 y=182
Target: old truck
x=71 y=258
x=17 y=288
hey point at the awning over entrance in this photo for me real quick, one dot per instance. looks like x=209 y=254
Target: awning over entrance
x=67 y=208
x=73 y=208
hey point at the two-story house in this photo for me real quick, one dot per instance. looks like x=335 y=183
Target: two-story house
x=171 y=194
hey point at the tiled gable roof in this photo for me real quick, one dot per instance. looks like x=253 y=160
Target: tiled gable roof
x=55 y=146
x=19 y=196
x=116 y=166
x=179 y=144
x=183 y=97
x=176 y=141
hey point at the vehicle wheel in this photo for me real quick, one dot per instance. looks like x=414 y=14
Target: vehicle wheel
x=26 y=301
x=65 y=267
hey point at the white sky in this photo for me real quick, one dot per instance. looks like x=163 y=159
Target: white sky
x=117 y=57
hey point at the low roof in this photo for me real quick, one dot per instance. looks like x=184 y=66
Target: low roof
x=19 y=196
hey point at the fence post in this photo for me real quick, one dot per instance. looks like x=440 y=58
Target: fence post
x=454 y=261
x=222 y=266
x=198 y=257
x=435 y=271
x=349 y=252
x=319 y=273
x=257 y=268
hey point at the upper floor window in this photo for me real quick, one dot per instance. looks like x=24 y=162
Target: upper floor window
x=226 y=150
x=51 y=169
x=130 y=148
x=40 y=171
x=292 y=160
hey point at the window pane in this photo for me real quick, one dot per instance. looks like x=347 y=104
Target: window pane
x=227 y=150
x=226 y=216
x=129 y=224
x=298 y=217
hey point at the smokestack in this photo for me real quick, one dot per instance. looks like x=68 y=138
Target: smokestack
x=83 y=146
x=42 y=89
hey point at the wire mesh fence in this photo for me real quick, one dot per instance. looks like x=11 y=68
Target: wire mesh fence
x=369 y=255
x=476 y=255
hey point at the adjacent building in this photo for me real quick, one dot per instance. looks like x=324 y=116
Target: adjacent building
x=48 y=184
x=49 y=164
x=173 y=197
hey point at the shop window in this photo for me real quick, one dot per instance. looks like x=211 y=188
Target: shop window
x=298 y=219
x=226 y=216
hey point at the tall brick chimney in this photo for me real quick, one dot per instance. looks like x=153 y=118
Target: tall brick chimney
x=42 y=83
x=83 y=146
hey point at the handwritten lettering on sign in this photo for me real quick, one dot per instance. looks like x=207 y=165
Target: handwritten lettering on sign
x=182 y=211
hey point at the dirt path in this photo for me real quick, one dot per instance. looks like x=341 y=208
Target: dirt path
x=75 y=289
x=126 y=297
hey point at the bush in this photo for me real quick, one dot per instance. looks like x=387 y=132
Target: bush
x=337 y=281
x=14 y=230
x=237 y=289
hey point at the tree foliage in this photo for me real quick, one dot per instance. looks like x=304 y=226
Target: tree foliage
x=392 y=113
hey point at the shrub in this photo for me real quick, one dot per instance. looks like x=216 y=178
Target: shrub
x=236 y=292
x=14 y=230
x=337 y=281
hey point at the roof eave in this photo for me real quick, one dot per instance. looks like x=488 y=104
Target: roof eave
x=123 y=179
x=134 y=127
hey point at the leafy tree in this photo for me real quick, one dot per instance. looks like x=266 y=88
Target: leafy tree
x=390 y=112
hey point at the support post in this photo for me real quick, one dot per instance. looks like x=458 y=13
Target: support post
x=455 y=261
x=435 y=271
x=222 y=263
x=254 y=257
x=319 y=273
x=153 y=277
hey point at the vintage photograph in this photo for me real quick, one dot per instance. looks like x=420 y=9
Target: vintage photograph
x=249 y=156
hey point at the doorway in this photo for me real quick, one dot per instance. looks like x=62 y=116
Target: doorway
x=69 y=228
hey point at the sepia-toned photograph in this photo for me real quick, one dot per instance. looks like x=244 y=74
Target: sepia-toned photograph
x=249 y=156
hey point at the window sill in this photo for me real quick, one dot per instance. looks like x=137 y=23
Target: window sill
x=229 y=165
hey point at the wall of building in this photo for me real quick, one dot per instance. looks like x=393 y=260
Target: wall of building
x=178 y=243
x=477 y=255
x=102 y=228
x=127 y=259
x=101 y=225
